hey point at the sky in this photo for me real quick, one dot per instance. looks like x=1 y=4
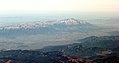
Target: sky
x=40 y=6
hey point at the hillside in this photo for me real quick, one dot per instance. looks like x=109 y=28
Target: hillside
x=89 y=46
x=87 y=51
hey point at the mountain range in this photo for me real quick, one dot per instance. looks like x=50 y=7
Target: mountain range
x=37 y=34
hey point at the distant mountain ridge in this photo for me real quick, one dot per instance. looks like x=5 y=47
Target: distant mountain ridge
x=70 y=21
x=47 y=27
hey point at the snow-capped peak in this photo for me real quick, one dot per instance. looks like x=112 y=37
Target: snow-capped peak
x=73 y=21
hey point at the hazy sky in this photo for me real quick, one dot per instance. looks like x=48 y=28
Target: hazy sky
x=17 y=7
x=39 y=6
